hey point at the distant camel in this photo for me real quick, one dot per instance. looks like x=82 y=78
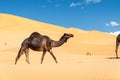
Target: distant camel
x=38 y=42
x=117 y=45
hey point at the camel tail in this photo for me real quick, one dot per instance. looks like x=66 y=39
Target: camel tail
x=18 y=56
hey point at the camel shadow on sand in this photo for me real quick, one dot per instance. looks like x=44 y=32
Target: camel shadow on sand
x=113 y=58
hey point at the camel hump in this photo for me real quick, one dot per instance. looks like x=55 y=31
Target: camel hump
x=34 y=34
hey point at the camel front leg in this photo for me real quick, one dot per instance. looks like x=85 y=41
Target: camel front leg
x=42 y=58
x=116 y=50
x=53 y=56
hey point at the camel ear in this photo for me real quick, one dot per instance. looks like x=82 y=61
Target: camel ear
x=65 y=33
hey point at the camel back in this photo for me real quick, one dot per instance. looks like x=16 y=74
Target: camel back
x=34 y=34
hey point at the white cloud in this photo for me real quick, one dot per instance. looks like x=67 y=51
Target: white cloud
x=84 y=2
x=112 y=23
x=115 y=33
x=92 y=1
x=75 y=4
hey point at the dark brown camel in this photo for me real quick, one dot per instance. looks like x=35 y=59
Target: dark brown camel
x=38 y=42
x=117 y=45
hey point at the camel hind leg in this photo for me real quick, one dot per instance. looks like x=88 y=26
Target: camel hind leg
x=19 y=54
x=22 y=50
x=27 y=56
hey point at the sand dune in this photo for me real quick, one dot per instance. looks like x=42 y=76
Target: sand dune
x=14 y=27
x=74 y=64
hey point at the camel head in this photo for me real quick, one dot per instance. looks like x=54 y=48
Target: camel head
x=66 y=36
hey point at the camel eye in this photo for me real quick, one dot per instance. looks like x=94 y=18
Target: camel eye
x=67 y=35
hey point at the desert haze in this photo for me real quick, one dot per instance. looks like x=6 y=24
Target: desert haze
x=89 y=55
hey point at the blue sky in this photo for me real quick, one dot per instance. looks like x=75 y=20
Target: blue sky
x=101 y=15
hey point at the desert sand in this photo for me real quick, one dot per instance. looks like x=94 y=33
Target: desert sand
x=73 y=61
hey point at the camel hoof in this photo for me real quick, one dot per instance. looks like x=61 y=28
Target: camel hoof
x=28 y=62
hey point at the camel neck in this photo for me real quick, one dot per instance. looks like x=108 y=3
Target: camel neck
x=59 y=43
